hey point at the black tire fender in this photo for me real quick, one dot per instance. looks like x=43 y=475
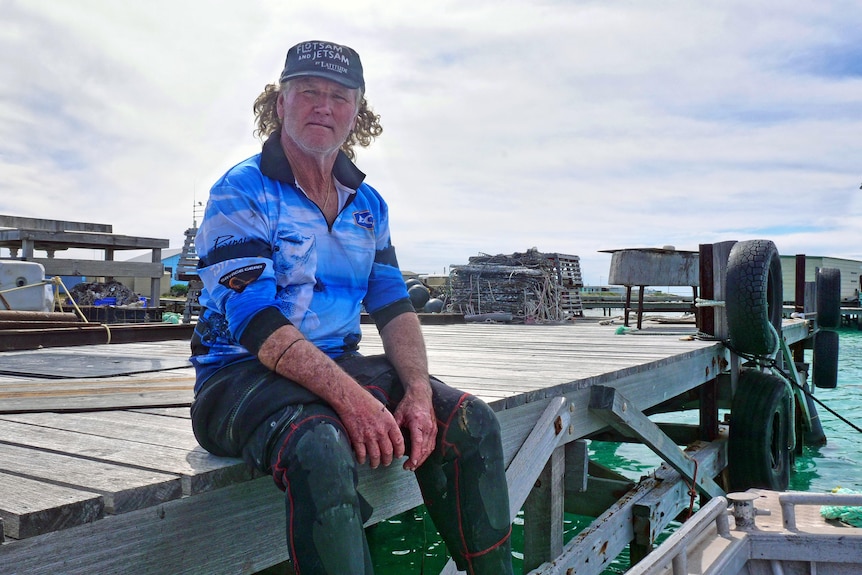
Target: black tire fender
x=760 y=445
x=828 y=287
x=825 y=359
x=754 y=297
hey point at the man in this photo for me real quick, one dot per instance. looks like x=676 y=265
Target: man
x=292 y=245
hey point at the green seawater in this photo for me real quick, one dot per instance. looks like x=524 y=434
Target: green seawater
x=408 y=544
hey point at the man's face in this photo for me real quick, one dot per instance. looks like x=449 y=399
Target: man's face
x=317 y=114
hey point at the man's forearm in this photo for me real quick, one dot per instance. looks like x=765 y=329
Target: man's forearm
x=372 y=429
x=405 y=348
x=289 y=354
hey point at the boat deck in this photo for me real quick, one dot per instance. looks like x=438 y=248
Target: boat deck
x=763 y=533
x=100 y=472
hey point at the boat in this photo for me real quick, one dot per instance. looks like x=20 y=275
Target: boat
x=775 y=533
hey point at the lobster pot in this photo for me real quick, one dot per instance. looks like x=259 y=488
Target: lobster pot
x=22 y=287
x=493 y=288
x=532 y=285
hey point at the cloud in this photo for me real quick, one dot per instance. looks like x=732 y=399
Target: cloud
x=571 y=127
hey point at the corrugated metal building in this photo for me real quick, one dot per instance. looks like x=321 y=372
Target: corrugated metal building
x=850 y=278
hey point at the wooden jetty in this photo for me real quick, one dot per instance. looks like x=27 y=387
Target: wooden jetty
x=100 y=472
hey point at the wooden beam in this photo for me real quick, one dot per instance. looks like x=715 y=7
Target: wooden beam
x=74 y=239
x=52 y=225
x=620 y=413
x=99 y=268
x=672 y=497
x=91 y=334
x=593 y=549
x=600 y=494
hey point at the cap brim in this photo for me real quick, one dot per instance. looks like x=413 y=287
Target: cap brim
x=346 y=82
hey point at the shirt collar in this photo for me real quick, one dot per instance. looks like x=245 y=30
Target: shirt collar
x=274 y=164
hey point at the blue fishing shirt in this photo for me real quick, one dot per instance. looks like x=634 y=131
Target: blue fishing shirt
x=268 y=258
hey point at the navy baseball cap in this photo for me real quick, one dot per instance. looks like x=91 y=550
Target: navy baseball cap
x=324 y=60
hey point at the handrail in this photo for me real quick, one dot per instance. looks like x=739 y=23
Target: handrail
x=675 y=548
x=788 y=501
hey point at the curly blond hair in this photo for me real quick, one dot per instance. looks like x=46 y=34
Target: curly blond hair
x=366 y=129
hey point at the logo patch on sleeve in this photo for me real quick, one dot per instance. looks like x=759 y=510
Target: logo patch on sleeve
x=364 y=219
x=238 y=279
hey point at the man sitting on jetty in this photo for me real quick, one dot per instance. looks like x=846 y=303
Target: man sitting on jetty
x=292 y=245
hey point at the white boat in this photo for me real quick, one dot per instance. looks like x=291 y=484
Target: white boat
x=775 y=533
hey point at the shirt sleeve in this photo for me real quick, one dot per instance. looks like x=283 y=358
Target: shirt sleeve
x=387 y=293
x=236 y=265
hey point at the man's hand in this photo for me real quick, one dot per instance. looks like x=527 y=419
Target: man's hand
x=372 y=430
x=405 y=348
x=416 y=415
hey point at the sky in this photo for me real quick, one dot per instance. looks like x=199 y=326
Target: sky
x=569 y=126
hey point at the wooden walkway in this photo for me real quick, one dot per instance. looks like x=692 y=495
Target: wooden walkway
x=114 y=489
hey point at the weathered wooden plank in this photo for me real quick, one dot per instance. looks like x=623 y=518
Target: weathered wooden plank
x=670 y=498
x=123 y=488
x=30 y=508
x=174 y=412
x=27 y=394
x=577 y=462
x=91 y=334
x=199 y=470
x=116 y=398
x=12 y=386
x=238 y=529
x=141 y=428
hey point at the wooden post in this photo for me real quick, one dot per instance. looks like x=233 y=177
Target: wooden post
x=708 y=404
x=720 y=255
x=156 y=283
x=641 y=290
x=705 y=315
x=577 y=466
x=628 y=305
x=543 y=514
x=799 y=295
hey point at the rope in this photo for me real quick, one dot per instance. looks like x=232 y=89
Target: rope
x=57 y=280
x=16 y=288
x=817 y=401
x=773 y=364
x=692 y=490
